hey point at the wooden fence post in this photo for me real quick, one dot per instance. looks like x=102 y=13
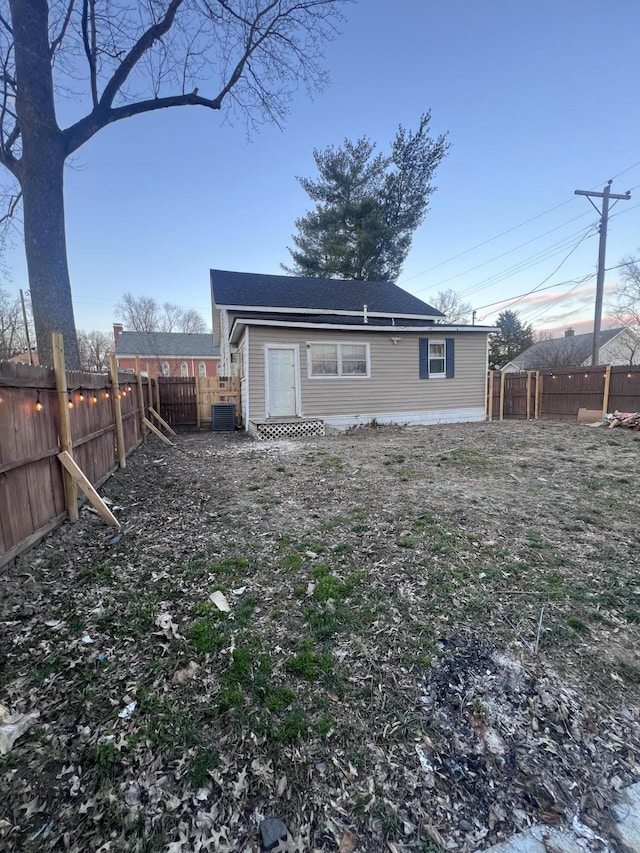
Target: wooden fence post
x=66 y=442
x=149 y=389
x=528 y=395
x=143 y=426
x=117 y=411
x=607 y=385
x=157 y=405
x=537 y=396
x=197 y=378
x=502 y=379
x=490 y=418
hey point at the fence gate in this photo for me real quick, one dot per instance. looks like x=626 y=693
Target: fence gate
x=178 y=400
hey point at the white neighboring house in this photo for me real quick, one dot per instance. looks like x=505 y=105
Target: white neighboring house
x=619 y=346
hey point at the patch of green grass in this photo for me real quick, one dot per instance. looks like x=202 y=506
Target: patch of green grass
x=295 y=724
x=293 y=561
x=333 y=462
x=278 y=699
x=332 y=523
x=5 y=761
x=632 y=616
x=324 y=725
x=406 y=542
x=202 y=762
x=47 y=667
x=576 y=623
x=628 y=671
x=536 y=541
x=394 y=459
x=309 y=664
x=390 y=823
x=107 y=761
x=206 y=637
x=465 y=457
x=244 y=611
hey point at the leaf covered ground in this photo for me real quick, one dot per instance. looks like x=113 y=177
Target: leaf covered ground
x=431 y=643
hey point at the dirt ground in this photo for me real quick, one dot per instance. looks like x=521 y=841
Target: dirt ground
x=431 y=642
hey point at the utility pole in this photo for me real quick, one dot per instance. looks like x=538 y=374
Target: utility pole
x=606 y=195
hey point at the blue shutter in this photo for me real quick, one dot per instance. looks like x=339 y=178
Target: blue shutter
x=424 y=357
x=449 y=350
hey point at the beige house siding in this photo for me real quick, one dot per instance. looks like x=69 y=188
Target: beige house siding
x=394 y=385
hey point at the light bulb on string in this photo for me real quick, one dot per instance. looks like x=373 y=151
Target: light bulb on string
x=39 y=406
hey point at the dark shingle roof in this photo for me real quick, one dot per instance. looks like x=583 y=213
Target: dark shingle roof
x=316 y=294
x=169 y=344
x=566 y=351
x=325 y=319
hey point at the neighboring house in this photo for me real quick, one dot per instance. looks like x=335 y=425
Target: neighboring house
x=166 y=353
x=617 y=346
x=23 y=358
x=311 y=351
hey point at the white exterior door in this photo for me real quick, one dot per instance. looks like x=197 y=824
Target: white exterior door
x=281 y=382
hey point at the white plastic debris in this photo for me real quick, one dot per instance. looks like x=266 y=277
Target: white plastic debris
x=13 y=727
x=220 y=601
x=128 y=710
x=239 y=591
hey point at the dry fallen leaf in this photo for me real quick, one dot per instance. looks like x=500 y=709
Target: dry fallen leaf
x=348 y=843
x=181 y=676
x=13 y=727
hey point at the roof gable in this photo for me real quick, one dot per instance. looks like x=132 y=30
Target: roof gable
x=293 y=293
x=167 y=344
x=575 y=348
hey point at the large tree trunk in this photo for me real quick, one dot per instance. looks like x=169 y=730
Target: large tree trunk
x=40 y=172
x=45 y=245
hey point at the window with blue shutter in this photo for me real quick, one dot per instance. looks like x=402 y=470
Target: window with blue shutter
x=436 y=358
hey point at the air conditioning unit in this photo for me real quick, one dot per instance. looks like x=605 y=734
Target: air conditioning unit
x=223 y=417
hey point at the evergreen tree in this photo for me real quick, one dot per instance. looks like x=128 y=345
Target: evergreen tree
x=368 y=206
x=513 y=338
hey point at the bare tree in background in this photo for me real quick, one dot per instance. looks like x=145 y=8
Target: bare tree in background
x=455 y=309
x=624 y=303
x=12 y=337
x=144 y=314
x=95 y=347
x=132 y=58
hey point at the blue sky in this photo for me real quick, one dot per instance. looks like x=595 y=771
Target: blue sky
x=538 y=98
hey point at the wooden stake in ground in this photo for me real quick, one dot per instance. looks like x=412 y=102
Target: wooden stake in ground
x=99 y=505
x=143 y=426
x=117 y=411
x=528 y=395
x=605 y=394
x=157 y=406
x=162 y=421
x=70 y=491
x=502 y=381
x=537 y=397
x=491 y=374
x=154 y=429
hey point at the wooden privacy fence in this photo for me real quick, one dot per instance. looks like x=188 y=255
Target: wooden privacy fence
x=97 y=419
x=187 y=401
x=561 y=393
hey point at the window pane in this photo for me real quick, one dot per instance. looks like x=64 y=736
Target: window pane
x=354 y=360
x=436 y=365
x=436 y=357
x=324 y=360
x=184 y=369
x=202 y=369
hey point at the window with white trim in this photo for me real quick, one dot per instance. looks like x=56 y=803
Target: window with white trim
x=164 y=367
x=338 y=360
x=437 y=354
x=184 y=369
x=202 y=369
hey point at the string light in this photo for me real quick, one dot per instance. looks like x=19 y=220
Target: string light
x=81 y=396
x=39 y=406
x=94 y=398
x=70 y=401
